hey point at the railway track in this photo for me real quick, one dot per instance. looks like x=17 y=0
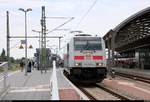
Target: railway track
x=138 y=78
x=92 y=96
x=89 y=95
x=114 y=93
x=108 y=90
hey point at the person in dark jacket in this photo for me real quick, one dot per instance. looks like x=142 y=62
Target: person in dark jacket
x=29 y=66
x=32 y=64
x=21 y=65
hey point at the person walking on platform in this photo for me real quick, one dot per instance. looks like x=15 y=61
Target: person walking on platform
x=21 y=65
x=32 y=64
x=29 y=66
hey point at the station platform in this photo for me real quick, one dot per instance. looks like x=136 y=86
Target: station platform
x=37 y=86
x=135 y=71
x=34 y=86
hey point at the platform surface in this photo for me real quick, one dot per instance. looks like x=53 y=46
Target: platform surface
x=66 y=91
x=34 y=86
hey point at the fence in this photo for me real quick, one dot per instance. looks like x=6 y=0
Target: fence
x=4 y=68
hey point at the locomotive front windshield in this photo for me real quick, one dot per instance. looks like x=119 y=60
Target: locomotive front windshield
x=88 y=44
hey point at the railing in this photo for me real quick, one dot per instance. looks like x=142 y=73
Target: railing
x=53 y=83
x=4 y=67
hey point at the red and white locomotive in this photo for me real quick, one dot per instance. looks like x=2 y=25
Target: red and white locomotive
x=85 y=60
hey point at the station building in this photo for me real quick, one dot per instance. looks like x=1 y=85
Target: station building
x=128 y=43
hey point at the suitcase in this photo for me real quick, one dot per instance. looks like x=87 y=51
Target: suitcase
x=28 y=69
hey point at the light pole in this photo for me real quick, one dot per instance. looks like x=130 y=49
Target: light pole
x=25 y=11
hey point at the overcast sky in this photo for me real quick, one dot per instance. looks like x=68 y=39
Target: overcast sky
x=105 y=15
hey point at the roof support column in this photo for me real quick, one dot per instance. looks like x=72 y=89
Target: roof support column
x=109 y=59
x=113 y=33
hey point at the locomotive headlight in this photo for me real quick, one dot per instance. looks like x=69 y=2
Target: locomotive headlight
x=77 y=64
x=99 y=64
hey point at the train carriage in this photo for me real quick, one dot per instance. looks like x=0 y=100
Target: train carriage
x=85 y=60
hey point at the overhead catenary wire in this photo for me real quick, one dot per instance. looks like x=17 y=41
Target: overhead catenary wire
x=61 y=24
x=93 y=4
x=90 y=8
x=59 y=17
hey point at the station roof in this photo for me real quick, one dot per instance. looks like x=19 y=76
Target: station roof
x=132 y=33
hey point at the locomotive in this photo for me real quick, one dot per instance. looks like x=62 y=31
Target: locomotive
x=85 y=60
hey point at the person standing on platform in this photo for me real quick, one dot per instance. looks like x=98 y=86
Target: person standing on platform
x=32 y=64
x=29 y=66
x=21 y=65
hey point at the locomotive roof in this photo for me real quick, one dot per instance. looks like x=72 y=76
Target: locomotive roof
x=83 y=35
x=86 y=38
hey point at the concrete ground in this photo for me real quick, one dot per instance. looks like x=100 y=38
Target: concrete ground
x=34 y=86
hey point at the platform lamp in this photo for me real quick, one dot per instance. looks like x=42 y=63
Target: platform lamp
x=25 y=11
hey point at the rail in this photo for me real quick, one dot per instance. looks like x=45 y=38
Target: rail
x=53 y=83
x=3 y=64
x=134 y=77
x=4 y=67
x=115 y=93
x=90 y=96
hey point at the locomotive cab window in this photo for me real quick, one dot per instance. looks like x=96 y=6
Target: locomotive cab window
x=94 y=44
